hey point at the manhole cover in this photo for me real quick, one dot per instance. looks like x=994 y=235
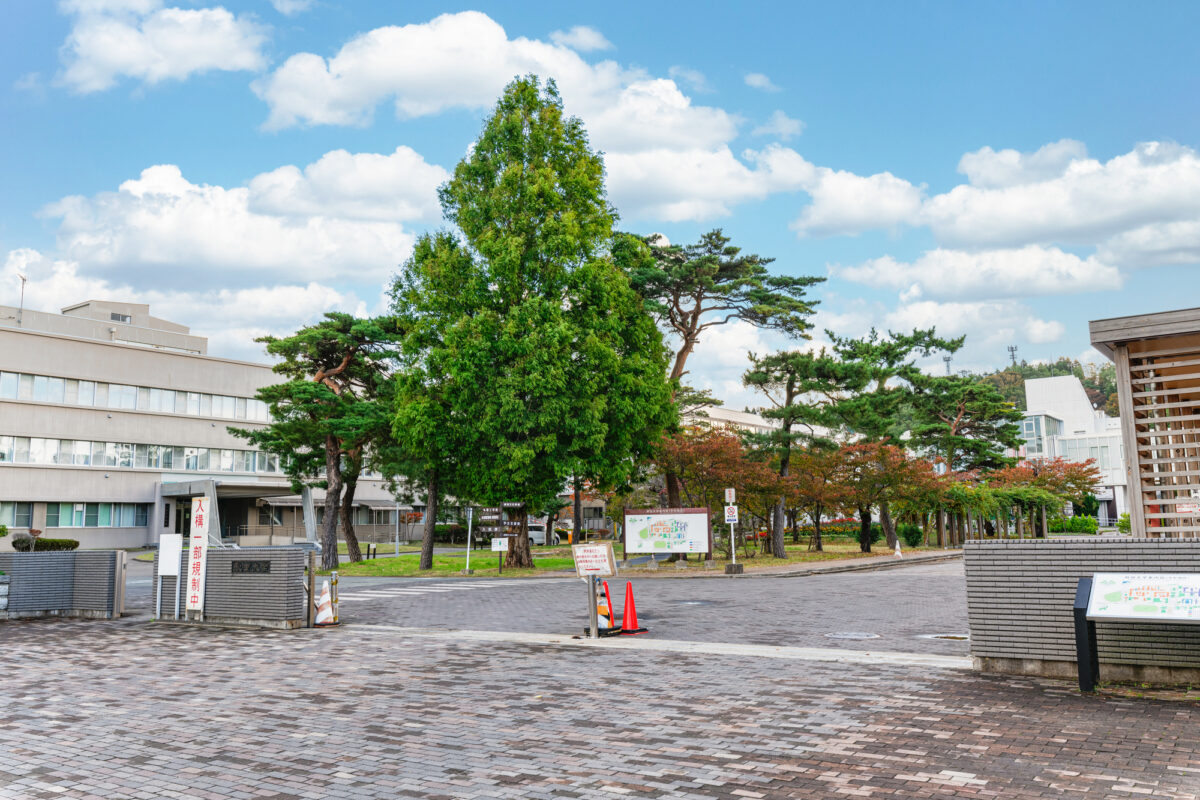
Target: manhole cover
x=955 y=637
x=851 y=635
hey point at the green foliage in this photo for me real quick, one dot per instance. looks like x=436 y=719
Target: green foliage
x=1100 y=382
x=1088 y=506
x=1123 y=524
x=965 y=421
x=910 y=534
x=3 y=531
x=26 y=544
x=1078 y=524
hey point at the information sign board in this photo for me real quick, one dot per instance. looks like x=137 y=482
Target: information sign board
x=492 y=529
x=198 y=553
x=731 y=517
x=594 y=559
x=730 y=496
x=1121 y=597
x=500 y=544
x=170 y=548
x=666 y=530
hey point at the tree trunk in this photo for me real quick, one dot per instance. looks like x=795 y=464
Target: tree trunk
x=941 y=527
x=778 y=548
x=674 y=492
x=864 y=529
x=519 y=555
x=353 y=551
x=333 y=494
x=1045 y=524
x=577 y=513
x=885 y=519
x=430 y=528
x=817 y=544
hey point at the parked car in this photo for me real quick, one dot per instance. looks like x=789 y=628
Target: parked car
x=537 y=534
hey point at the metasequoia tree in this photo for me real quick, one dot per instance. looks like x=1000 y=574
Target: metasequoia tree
x=534 y=355
x=695 y=287
x=328 y=412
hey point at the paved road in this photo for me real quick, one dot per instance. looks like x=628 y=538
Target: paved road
x=136 y=710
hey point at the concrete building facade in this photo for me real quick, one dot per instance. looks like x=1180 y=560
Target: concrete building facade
x=106 y=412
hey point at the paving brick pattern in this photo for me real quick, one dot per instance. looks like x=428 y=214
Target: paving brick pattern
x=96 y=710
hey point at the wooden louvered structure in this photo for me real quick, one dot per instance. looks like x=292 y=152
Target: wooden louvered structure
x=1158 y=388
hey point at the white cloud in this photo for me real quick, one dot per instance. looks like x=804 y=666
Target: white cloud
x=1155 y=244
x=1022 y=272
x=140 y=39
x=757 y=80
x=694 y=79
x=164 y=227
x=991 y=169
x=230 y=318
x=1088 y=203
x=371 y=186
x=582 y=39
x=844 y=203
x=291 y=7
x=987 y=324
x=781 y=125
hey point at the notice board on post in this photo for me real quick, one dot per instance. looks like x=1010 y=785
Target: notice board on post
x=1138 y=597
x=667 y=530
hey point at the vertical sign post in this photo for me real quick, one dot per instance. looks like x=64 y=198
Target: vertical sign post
x=593 y=562
x=198 y=554
x=470 y=514
x=731 y=516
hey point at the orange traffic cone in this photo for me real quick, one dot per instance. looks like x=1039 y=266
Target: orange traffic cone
x=325 y=608
x=629 y=625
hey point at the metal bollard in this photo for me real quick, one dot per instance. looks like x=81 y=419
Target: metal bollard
x=334 y=595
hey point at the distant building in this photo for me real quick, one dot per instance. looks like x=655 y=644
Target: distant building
x=729 y=419
x=1061 y=423
x=111 y=420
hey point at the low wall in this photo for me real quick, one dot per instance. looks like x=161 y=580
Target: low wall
x=272 y=599
x=1020 y=595
x=65 y=584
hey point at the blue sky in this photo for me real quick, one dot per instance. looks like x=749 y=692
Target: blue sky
x=1007 y=171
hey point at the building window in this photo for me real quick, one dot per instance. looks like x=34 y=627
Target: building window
x=125 y=318
x=16 y=515
x=267 y=513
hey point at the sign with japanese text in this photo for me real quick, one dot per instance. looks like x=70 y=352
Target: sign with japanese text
x=731 y=515
x=500 y=544
x=730 y=496
x=1121 y=597
x=197 y=558
x=666 y=530
x=594 y=559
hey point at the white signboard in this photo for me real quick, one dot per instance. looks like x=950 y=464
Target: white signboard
x=197 y=554
x=1142 y=598
x=1187 y=508
x=680 y=530
x=731 y=515
x=170 y=548
x=730 y=497
x=500 y=544
x=594 y=559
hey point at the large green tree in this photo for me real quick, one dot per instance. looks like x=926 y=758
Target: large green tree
x=964 y=421
x=692 y=288
x=329 y=411
x=529 y=358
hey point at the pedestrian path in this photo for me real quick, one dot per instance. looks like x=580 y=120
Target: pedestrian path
x=351 y=595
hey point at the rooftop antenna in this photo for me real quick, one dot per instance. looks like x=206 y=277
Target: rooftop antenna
x=947 y=359
x=1012 y=353
x=21 y=308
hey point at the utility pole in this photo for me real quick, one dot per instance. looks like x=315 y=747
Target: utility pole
x=947 y=359
x=1012 y=353
x=21 y=308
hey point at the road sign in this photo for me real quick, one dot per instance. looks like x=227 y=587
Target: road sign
x=731 y=515
x=490 y=516
x=730 y=496
x=594 y=559
x=492 y=529
x=500 y=544
x=490 y=510
x=513 y=505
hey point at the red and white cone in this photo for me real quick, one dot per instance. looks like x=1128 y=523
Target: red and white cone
x=325 y=607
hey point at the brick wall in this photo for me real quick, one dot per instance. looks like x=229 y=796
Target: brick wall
x=277 y=597
x=60 y=582
x=1020 y=594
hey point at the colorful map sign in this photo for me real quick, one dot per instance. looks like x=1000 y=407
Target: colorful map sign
x=1140 y=597
x=679 y=530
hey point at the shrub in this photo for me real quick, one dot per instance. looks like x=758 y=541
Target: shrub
x=4 y=531
x=26 y=544
x=910 y=534
x=1073 y=525
x=1123 y=524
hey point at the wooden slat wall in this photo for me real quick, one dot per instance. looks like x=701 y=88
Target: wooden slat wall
x=1160 y=425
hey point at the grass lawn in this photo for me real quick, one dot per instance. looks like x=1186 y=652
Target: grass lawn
x=148 y=556
x=382 y=548
x=484 y=564
x=797 y=554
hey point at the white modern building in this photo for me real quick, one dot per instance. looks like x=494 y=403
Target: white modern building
x=1061 y=423
x=111 y=420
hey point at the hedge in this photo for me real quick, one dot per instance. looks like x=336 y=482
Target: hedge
x=24 y=544
x=1073 y=525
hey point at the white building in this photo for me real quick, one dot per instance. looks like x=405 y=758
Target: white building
x=1061 y=423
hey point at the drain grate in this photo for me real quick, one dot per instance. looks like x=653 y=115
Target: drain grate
x=851 y=635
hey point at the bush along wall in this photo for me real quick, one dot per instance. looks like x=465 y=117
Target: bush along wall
x=27 y=544
x=1073 y=525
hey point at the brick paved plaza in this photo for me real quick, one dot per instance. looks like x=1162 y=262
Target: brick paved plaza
x=138 y=710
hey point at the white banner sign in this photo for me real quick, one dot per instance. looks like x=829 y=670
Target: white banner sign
x=730 y=497
x=594 y=559
x=731 y=515
x=197 y=553
x=666 y=531
x=170 y=548
x=500 y=544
